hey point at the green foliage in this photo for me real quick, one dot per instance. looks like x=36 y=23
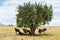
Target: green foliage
x=33 y=15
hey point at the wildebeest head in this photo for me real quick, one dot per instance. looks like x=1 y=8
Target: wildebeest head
x=40 y=30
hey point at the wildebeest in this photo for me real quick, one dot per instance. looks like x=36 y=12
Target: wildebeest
x=18 y=31
x=42 y=30
x=26 y=31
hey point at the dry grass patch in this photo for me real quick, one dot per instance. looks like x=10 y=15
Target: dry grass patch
x=8 y=33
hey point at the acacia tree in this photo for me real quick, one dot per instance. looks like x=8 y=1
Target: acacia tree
x=33 y=15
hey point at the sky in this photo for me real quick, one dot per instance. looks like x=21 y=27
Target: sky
x=8 y=10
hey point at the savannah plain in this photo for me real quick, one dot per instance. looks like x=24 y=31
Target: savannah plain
x=8 y=33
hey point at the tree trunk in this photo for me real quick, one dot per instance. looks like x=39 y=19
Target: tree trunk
x=33 y=27
x=32 y=30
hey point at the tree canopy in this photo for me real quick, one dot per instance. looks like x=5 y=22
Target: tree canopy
x=33 y=14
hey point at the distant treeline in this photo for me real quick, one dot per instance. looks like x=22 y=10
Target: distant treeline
x=10 y=25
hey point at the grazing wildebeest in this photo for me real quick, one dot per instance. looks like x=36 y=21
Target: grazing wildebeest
x=42 y=30
x=26 y=31
x=18 y=31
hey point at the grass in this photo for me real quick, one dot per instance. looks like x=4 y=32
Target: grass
x=8 y=33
